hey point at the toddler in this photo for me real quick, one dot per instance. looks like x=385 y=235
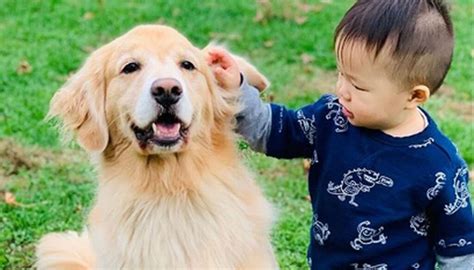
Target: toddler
x=388 y=189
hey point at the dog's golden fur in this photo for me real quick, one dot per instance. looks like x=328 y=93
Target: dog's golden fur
x=189 y=206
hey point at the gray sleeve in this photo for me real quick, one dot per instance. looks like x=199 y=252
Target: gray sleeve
x=456 y=263
x=254 y=120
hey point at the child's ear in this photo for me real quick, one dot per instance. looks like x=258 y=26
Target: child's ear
x=418 y=95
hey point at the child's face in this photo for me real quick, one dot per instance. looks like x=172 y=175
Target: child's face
x=369 y=96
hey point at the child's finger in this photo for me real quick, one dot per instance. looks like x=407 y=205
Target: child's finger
x=215 y=54
x=217 y=51
x=212 y=58
x=217 y=71
x=227 y=61
x=220 y=73
x=222 y=57
x=222 y=76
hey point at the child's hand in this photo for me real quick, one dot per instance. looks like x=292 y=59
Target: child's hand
x=225 y=68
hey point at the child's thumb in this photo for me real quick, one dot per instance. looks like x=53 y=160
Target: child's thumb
x=219 y=73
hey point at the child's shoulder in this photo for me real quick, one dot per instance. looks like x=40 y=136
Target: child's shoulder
x=328 y=99
x=327 y=103
x=324 y=107
x=443 y=150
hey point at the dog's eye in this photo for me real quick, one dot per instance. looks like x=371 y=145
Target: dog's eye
x=130 y=67
x=187 y=65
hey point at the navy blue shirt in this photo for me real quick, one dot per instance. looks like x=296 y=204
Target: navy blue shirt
x=379 y=202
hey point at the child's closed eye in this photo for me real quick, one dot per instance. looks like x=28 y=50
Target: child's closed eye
x=352 y=83
x=360 y=89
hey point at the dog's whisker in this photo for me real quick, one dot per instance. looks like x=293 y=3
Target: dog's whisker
x=113 y=121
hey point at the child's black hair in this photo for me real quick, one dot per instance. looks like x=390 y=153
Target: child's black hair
x=418 y=33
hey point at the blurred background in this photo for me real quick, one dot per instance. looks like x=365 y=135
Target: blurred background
x=47 y=186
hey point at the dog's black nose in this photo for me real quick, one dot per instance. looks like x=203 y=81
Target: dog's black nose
x=166 y=91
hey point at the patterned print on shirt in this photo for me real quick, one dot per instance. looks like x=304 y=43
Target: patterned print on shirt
x=366 y=266
x=432 y=192
x=280 y=121
x=461 y=192
x=368 y=236
x=336 y=115
x=422 y=145
x=320 y=230
x=356 y=181
x=307 y=125
x=461 y=243
x=415 y=266
x=420 y=224
x=315 y=159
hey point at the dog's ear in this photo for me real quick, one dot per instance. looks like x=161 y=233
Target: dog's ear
x=80 y=104
x=253 y=76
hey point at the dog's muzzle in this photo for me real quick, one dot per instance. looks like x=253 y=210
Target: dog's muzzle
x=166 y=92
x=167 y=129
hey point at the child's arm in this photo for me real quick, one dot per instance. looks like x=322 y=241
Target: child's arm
x=456 y=263
x=254 y=121
x=268 y=128
x=453 y=221
x=254 y=118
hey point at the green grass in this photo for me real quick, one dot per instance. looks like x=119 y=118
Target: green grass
x=54 y=37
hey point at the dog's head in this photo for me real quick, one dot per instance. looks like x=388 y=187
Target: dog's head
x=150 y=89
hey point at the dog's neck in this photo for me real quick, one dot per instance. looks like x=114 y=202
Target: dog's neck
x=167 y=173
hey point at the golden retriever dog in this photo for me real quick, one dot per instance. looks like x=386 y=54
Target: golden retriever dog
x=172 y=190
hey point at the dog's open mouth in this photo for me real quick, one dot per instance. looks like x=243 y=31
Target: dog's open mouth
x=166 y=131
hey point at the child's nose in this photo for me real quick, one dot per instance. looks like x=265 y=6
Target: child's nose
x=342 y=91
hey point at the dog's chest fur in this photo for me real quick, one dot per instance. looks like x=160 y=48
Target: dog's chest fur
x=145 y=232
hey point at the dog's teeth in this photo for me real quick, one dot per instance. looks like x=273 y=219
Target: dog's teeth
x=153 y=126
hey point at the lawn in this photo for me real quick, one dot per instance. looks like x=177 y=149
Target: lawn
x=43 y=42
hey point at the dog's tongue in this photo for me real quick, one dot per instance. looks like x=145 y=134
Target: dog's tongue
x=166 y=131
